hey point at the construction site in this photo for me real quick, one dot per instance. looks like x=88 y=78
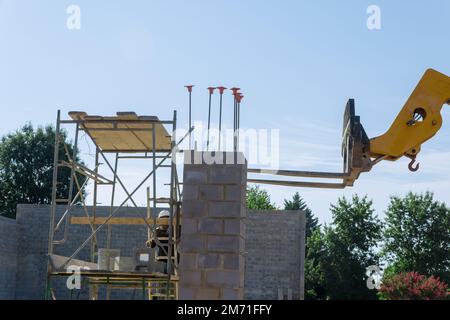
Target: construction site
x=195 y=240
x=190 y=242
x=139 y=205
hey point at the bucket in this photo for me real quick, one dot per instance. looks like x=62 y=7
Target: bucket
x=108 y=259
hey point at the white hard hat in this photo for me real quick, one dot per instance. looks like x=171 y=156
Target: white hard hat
x=164 y=214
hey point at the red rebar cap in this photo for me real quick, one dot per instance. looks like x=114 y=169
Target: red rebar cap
x=221 y=89
x=235 y=90
x=189 y=87
x=239 y=97
x=211 y=90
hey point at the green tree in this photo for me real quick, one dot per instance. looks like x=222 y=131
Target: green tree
x=26 y=168
x=315 y=288
x=298 y=203
x=259 y=199
x=340 y=254
x=417 y=236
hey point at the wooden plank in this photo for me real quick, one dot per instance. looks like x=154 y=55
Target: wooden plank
x=127 y=115
x=129 y=139
x=117 y=221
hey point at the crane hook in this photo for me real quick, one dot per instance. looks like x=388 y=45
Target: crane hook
x=411 y=166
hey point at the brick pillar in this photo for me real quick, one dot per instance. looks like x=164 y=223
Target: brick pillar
x=212 y=227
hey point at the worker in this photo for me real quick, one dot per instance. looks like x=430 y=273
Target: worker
x=162 y=233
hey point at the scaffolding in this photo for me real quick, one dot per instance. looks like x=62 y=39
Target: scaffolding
x=125 y=136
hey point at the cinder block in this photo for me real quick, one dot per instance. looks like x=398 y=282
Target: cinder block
x=192 y=243
x=195 y=174
x=210 y=226
x=243 y=209
x=233 y=261
x=189 y=226
x=233 y=227
x=193 y=209
x=223 y=279
x=211 y=192
x=208 y=261
x=222 y=209
x=224 y=244
x=188 y=261
x=190 y=192
x=186 y=293
x=225 y=174
x=232 y=294
x=235 y=193
x=190 y=278
x=207 y=294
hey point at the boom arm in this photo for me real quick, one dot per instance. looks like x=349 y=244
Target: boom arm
x=418 y=121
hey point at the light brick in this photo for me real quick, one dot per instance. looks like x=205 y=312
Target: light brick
x=207 y=294
x=233 y=227
x=223 y=209
x=186 y=293
x=193 y=209
x=190 y=278
x=225 y=174
x=189 y=226
x=192 y=243
x=211 y=192
x=243 y=209
x=232 y=261
x=225 y=244
x=210 y=226
x=190 y=192
x=235 y=193
x=195 y=175
x=223 y=279
x=188 y=261
x=232 y=294
x=208 y=261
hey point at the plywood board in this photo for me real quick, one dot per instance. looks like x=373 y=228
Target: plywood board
x=126 y=132
x=117 y=221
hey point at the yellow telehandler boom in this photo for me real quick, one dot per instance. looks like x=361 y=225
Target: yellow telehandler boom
x=418 y=121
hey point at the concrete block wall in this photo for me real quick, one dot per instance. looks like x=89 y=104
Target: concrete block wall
x=8 y=258
x=212 y=263
x=275 y=255
x=272 y=245
x=33 y=226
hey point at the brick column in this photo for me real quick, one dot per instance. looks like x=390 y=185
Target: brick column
x=212 y=227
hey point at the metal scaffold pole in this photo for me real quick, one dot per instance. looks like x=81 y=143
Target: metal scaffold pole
x=53 y=203
x=102 y=130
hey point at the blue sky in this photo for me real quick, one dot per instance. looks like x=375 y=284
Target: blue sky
x=297 y=62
